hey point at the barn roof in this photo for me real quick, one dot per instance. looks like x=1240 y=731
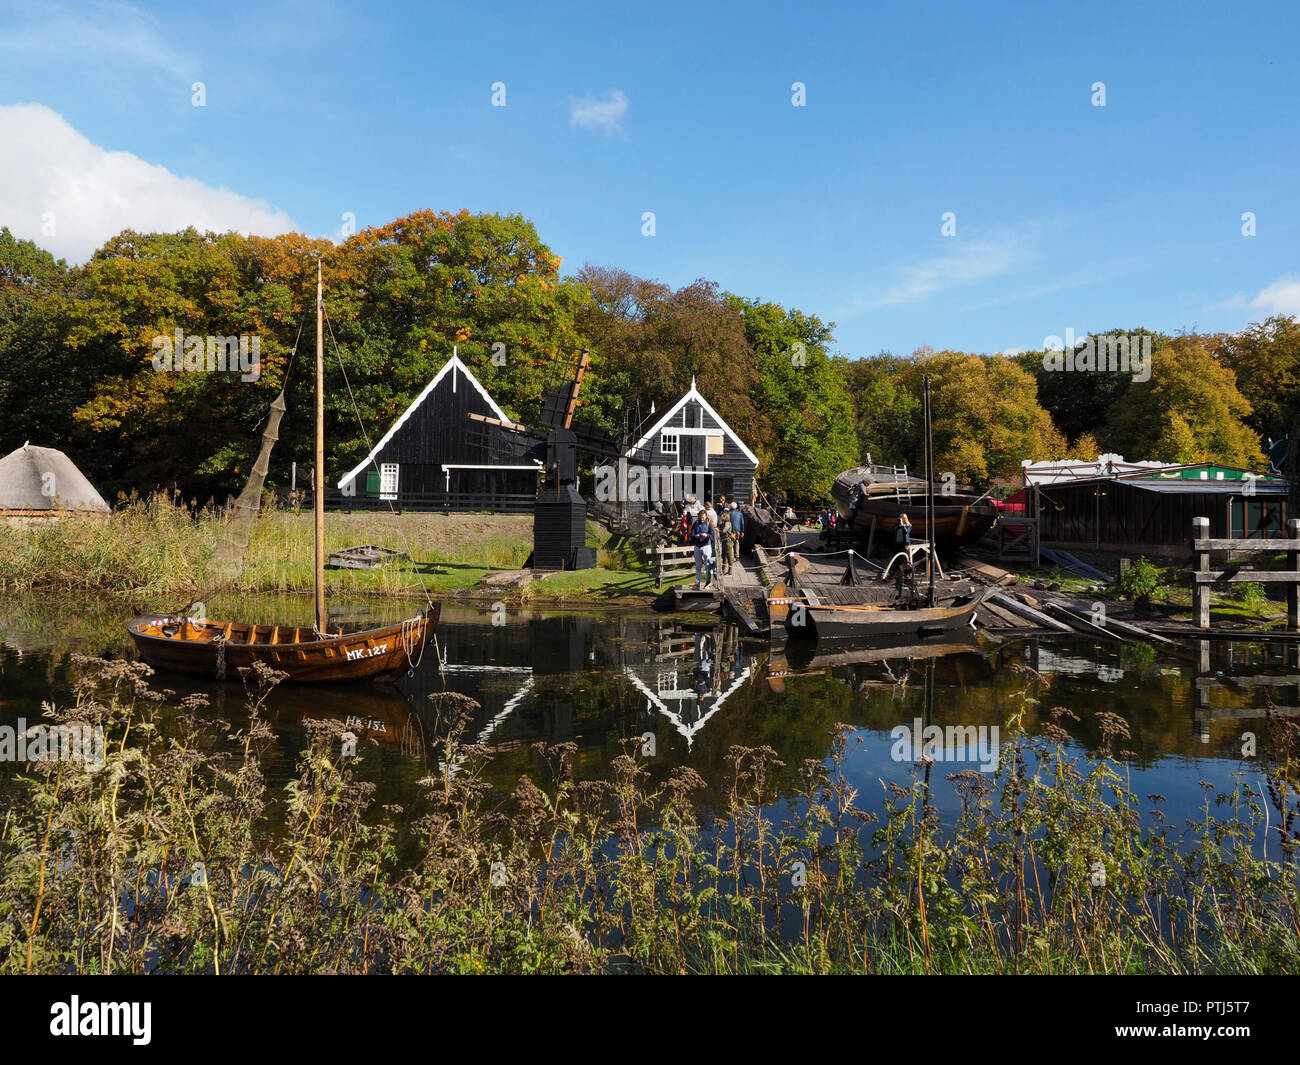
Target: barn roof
x=1180 y=486
x=44 y=478
x=452 y=365
x=694 y=394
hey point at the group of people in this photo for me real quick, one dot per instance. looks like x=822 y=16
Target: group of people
x=715 y=535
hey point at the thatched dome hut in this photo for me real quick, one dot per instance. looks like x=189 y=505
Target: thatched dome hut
x=40 y=483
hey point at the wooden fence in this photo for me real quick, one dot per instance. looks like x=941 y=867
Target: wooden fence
x=671 y=562
x=1203 y=577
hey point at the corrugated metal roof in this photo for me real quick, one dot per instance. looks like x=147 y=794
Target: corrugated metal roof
x=1181 y=486
x=44 y=479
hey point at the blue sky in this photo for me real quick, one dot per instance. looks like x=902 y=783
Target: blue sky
x=1068 y=215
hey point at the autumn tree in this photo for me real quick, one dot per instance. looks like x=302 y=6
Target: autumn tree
x=1265 y=359
x=1189 y=411
x=888 y=417
x=651 y=341
x=985 y=413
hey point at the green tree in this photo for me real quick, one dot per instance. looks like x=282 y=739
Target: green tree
x=1080 y=402
x=802 y=393
x=34 y=402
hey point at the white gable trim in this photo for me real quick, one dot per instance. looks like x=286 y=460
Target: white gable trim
x=722 y=426
x=456 y=367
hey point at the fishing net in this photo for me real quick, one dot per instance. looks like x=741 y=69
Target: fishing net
x=228 y=558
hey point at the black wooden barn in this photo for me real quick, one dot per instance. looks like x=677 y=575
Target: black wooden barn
x=433 y=457
x=692 y=449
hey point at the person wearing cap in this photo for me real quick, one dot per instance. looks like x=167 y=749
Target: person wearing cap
x=737 y=526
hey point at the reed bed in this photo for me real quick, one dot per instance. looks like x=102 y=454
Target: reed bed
x=159 y=547
x=175 y=857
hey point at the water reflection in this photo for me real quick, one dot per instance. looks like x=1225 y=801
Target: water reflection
x=600 y=682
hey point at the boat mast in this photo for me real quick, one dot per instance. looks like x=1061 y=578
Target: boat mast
x=929 y=492
x=318 y=490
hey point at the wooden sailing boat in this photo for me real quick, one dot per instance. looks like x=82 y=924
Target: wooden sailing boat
x=220 y=649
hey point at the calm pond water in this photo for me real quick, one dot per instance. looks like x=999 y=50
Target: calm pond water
x=597 y=680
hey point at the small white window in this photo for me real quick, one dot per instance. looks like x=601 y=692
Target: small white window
x=668 y=443
x=388 y=480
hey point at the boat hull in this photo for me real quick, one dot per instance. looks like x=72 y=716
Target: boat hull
x=836 y=622
x=808 y=619
x=219 y=650
x=958 y=519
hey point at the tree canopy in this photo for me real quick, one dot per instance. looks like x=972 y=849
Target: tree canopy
x=77 y=348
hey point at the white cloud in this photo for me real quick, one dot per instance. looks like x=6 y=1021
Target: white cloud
x=55 y=177
x=970 y=261
x=604 y=115
x=1281 y=297
x=103 y=32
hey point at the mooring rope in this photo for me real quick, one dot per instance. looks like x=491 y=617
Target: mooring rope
x=409 y=636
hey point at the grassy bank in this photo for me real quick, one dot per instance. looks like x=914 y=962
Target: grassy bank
x=175 y=857
x=153 y=548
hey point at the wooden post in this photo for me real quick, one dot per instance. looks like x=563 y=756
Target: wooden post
x=871 y=536
x=1200 y=564
x=1038 y=527
x=1293 y=564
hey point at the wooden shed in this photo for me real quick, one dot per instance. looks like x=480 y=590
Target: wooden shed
x=1154 y=510
x=431 y=459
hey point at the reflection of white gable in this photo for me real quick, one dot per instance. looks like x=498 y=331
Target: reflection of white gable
x=512 y=704
x=677 y=704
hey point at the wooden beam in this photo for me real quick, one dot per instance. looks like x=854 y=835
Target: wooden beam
x=514 y=426
x=1247 y=576
x=1256 y=544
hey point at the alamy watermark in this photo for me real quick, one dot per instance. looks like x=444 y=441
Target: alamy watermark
x=214 y=354
x=52 y=743
x=634 y=483
x=1114 y=353
x=953 y=743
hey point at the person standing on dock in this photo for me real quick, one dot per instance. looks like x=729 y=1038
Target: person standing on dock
x=701 y=536
x=903 y=533
x=737 y=526
x=726 y=541
x=712 y=516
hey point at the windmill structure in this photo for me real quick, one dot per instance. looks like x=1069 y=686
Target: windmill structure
x=560 y=514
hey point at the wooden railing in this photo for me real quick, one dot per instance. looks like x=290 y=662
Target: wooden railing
x=1203 y=577
x=671 y=562
x=448 y=502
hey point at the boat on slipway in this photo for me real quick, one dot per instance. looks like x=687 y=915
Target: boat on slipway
x=882 y=494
